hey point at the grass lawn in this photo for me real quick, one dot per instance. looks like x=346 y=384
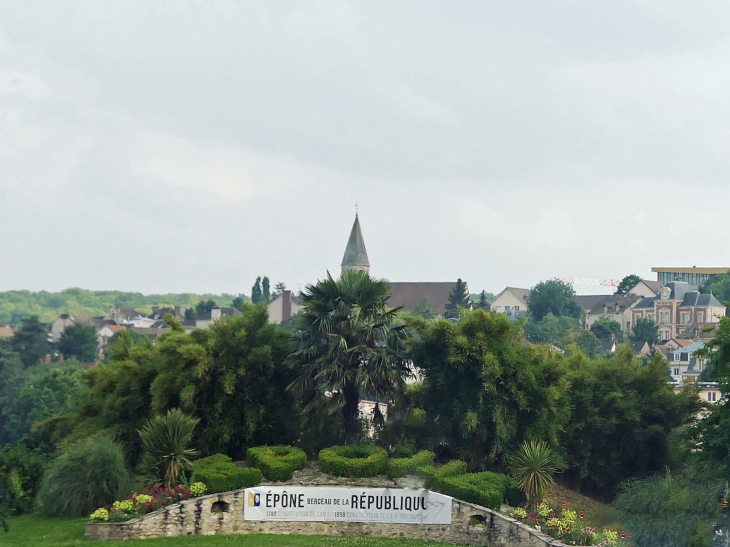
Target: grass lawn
x=32 y=531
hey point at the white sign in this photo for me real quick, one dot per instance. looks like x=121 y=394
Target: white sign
x=338 y=504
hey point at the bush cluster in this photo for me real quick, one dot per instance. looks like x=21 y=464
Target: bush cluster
x=356 y=460
x=400 y=467
x=277 y=463
x=220 y=474
x=487 y=489
x=88 y=475
x=138 y=504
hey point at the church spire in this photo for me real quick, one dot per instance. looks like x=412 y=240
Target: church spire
x=356 y=257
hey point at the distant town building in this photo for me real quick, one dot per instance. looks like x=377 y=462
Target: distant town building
x=677 y=308
x=512 y=301
x=355 y=257
x=283 y=307
x=694 y=276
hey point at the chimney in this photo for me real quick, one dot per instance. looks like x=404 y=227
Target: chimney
x=177 y=311
x=215 y=313
x=155 y=311
x=285 y=305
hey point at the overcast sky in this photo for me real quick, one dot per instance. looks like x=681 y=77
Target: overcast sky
x=191 y=146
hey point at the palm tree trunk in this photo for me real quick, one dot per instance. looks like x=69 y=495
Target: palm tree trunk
x=350 y=412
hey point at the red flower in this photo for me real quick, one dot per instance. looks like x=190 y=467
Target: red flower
x=623 y=534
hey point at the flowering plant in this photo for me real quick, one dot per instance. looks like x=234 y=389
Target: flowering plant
x=147 y=501
x=568 y=526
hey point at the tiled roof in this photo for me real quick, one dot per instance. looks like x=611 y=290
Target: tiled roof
x=409 y=294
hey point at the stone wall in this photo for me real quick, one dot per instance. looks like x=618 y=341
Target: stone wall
x=196 y=517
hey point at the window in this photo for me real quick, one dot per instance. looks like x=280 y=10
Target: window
x=506 y=308
x=664 y=334
x=700 y=316
x=650 y=316
x=663 y=317
x=517 y=308
x=684 y=318
x=712 y=396
x=676 y=356
x=676 y=372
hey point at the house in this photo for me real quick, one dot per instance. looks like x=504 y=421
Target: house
x=609 y=345
x=7 y=330
x=676 y=308
x=701 y=331
x=408 y=295
x=709 y=392
x=673 y=343
x=615 y=307
x=65 y=320
x=641 y=349
x=208 y=318
x=646 y=288
x=284 y=306
x=159 y=313
x=104 y=335
x=511 y=301
x=121 y=315
x=684 y=366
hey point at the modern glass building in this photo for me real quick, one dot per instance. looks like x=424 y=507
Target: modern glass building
x=694 y=276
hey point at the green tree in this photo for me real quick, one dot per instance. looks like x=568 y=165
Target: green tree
x=265 y=291
x=622 y=416
x=426 y=309
x=232 y=376
x=256 y=293
x=627 y=283
x=349 y=342
x=553 y=297
x=279 y=288
x=645 y=330
x=485 y=299
x=485 y=391
x=713 y=431
x=48 y=391
x=550 y=329
x=458 y=299
x=79 y=341
x=587 y=342
x=605 y=327
x=13 y=377
x=30 y=341
x=166 y=447
x=190 y=314
x=238 y=302
x=203 y=307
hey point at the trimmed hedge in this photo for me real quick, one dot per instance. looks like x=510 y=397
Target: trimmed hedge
x=454 y=468
x=220 y=474
x=400 y=467
x=355 y=460
x=276 y=462
x=487 y=488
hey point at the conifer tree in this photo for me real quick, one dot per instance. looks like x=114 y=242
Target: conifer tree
x=459 y=298
x=266 y=289
x=256 y=293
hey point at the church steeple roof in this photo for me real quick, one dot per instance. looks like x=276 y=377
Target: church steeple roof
x=356 y=257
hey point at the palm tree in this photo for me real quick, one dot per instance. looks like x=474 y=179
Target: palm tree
x=166 y=450
x=533 y=467
x=348 y=343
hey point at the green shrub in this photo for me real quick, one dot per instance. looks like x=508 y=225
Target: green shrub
x=219 y=474
x=277 y=463
x=89 y=475
x=453 y=468
x=356 y=460
x=405 y=450
x=486 y=488
x=700 y=536
x=400 y=467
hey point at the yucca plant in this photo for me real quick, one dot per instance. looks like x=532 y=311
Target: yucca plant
x=533 y=467
x=166 y=447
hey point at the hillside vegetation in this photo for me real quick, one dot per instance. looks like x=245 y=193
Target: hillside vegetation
x=14 y=305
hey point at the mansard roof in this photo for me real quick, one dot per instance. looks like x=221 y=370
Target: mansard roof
x=355 y=253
